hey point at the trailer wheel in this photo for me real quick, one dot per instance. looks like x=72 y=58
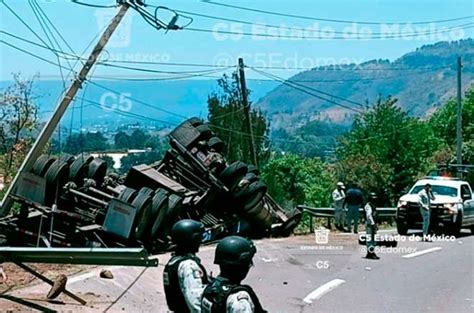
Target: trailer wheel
x=127 y=195
x=172 y=213
x=97 y=170
x=235 y=171
x=289 y=226
x=216 y=144
x=204 y=131
x=255 y=193
x=67 y=158
x=42 y=164
x=78 y=169
x=143 y=205
x=160 y=205
x=253 y=169
x=56 y=177
x=146 y=191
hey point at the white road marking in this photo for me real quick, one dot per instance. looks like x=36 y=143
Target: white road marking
x=319 y=292
x=418 y=253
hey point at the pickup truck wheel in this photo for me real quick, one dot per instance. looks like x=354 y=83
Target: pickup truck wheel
x=402 y=228
x=455 y=228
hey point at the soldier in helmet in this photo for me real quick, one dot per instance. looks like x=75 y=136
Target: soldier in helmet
x=371 y=226
x=226 y=294
x=184 y=277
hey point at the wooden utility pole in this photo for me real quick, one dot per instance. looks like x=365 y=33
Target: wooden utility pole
x=248 y=122
x=50 y=126
x=459 y=116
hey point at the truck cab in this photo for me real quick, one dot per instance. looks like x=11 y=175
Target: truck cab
x=451 y=210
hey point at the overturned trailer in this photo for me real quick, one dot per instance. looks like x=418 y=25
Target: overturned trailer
x=74 y=201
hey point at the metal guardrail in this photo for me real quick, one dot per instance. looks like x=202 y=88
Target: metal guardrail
x=86 y=256
x=328 y=213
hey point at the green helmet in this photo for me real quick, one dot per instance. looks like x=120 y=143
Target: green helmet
x=235 y=250
x=187 y=235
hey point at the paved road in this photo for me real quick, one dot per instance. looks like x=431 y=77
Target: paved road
x=297 y=275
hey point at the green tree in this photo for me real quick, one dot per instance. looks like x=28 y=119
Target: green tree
x=293 y=180
x=91 y=141
x=226 y=116
x=138 y=139
x=18 y=121
x=387 y=145
x=122 y=140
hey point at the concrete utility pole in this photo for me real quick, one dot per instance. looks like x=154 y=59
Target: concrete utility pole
x=459 y=117
x=50 y=126
x=248 y=122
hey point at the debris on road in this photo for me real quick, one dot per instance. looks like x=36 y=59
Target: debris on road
x=58 y=287
x=106 y=274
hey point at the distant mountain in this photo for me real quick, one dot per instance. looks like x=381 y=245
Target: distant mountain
x=182 y=98
x=421 y=80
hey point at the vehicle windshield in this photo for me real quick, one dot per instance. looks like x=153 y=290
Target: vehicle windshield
x=437 y=190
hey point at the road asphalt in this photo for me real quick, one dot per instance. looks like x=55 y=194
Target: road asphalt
x=296 y=274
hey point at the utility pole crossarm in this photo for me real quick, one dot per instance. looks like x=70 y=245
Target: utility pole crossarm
x=61 y=108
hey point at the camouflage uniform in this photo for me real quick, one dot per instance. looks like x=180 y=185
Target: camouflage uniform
x=184 y=278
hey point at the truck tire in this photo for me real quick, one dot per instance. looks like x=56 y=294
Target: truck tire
x=67 y=158
x=42 y=164
x=255 y=193
x=56 y=177
x=78 y=169
x=232 y=173
x=216 y=144
x=160 y=206
x=253 y=169
x=402 y=228
x=205 y=132
x=97 y=170
x=127 y=195
x=289 y=226
x=455 y=228
x=172 y=213
x=143 y=205
x=146 y=191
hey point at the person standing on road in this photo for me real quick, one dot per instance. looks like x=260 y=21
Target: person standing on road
x=226 y=294
x=354 y=202
x=371 y=226
x=338 y=196
x=184 y=277
x=425 y=196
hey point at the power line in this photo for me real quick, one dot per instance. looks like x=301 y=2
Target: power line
x=318 y=91
x=322 y=37
x=334 y=20
x=295 y=86
x=137 y=100
x=378 y=35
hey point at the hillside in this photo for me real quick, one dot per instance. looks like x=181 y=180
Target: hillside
x=421 y=81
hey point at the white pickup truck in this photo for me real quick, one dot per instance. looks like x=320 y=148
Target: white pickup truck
x=452 y=209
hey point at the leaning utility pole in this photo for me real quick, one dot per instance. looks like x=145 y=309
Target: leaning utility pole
x=459 y=118
x=248 y=122
x=50 y=126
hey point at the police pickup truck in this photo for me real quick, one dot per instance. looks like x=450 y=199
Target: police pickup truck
x=452 y=209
